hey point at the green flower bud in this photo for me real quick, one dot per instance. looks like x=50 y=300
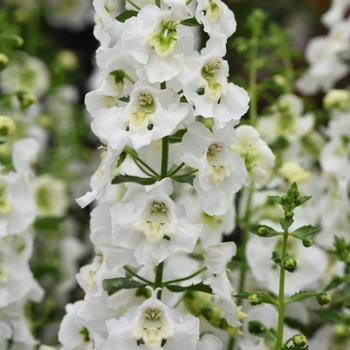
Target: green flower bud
x=307 y=242
x=323 y=298
x=4 y=60
x=254 y=299
x=67 y=59
x=256 y=328
x=299 y=340
x=337 y=99
x=290 y=264
x=341 y=332
x=7 y=126
x=26 y=99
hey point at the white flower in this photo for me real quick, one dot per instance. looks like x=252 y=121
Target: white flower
x=205 y=85
x=153 y=326
x=335 y=155
x=216 y=17
x=330 y=337
x=257 y=155
x=27 y=74
x=311 y=264
x=82 y=330
x=216 y=260
x=221 y=172
x=286 y=120
x=214 y=226
x=209 y=342
x=17 y=204
x=336 y=12
x=16 y=279
x=150 y=115
x=151 y=224
x=101 y=179
x=156 y=39
x=323 y=54
x=51 y=196
x=107 y=28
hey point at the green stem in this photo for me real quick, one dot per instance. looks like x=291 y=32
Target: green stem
x=231 y=344
x=165 y=157
x=158 y=3
x=177 y=169
x=188 y=277
x=132 y=273
x=159 y=278
x=133 y=4
x=245 y=230
x=281 y=300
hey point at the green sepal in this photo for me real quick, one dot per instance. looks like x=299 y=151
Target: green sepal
x=126 y=15
x=114 y=285
x=264 y=231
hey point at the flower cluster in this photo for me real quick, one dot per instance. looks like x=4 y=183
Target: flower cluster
x=172 y=160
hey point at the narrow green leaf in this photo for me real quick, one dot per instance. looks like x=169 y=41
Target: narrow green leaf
x=305 y=232
x=301 y=296
x=184 y=179
x=200 y=287
x=191 y=22
x=264 y=231
x=329 y=315
x=114 y=285
x=126 y=15
x=136 y=179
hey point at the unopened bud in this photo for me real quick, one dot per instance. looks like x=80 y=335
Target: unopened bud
x=299 y=340
x=68 y=60
x=341 y=331
x=4 y=61
x=307 y=242
x=290 y=264
x=337 y=99
x=323 y=298
x=7 y=126
x=26 y=99
x=254 y=299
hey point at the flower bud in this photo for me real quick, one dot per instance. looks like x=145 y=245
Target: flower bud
x=254 y=299
x=7 y=126
x=4 y=60
x=337 y=99
x=67 y=59
x=307 y=242
x=290 y=264
x=256 y=328
x=299 y=340
x=323 y=298
x=293 y=172
x=26 y=99
x=341 y=332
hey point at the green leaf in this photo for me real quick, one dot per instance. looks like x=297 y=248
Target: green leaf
x=177 y=137
x=114 y=285
x=259 y=330
x=264 y=297
x=126 y=15
x=48 y=223
x=301 y=296
x=264 y=231
x=329 y=315
x=200 y=287
x=191 y=22
x=305 y=232
x=336 y=281
x=136 y=179
x=184 y=179
x=286 y=223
